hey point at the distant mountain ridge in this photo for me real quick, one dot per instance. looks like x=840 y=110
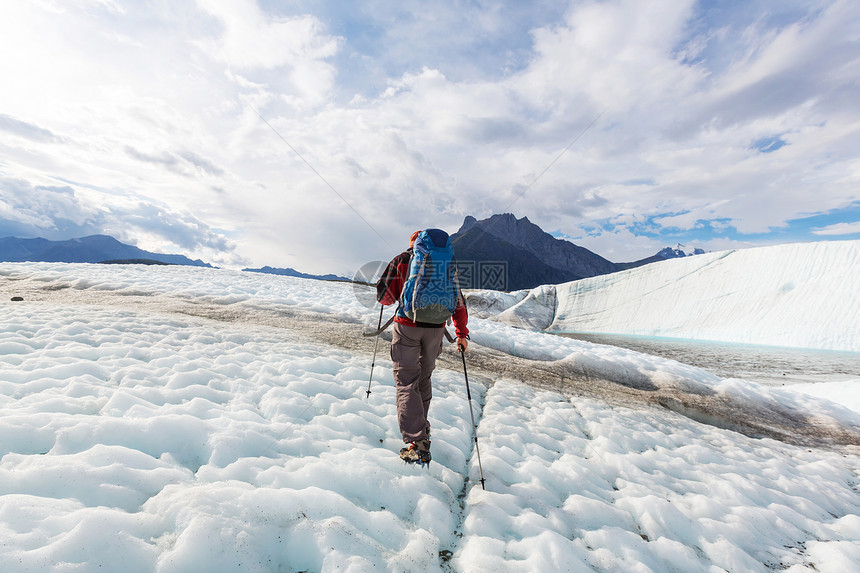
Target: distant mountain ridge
x=664 y=254
x=530 y=256
x=106 y=249
x=670 y=253
x=90 y=249
x=289 y=272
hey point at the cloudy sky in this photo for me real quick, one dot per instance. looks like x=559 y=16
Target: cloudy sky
x=318 y=134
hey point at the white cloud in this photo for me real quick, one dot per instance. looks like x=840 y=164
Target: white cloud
x=839 y=229
x=620 y=245
x=64 y=211
x=66 y=6
x=416 y=118
x=27 y=130
x=253 y=39
x=612 y=55
x=41 y=208
x=250 y=39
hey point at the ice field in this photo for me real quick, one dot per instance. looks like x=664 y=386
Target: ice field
x=801 y=295
x=178 y=419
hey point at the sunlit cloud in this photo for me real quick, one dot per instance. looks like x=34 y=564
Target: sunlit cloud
x=625 y=125
x=839 y=229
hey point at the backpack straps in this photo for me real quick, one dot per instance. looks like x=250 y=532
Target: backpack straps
x=388 y=291
x=385 y=326
x=381 y=330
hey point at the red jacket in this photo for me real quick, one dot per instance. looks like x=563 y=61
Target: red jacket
x=390 y=286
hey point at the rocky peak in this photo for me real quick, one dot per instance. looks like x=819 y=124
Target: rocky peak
x=559 y=254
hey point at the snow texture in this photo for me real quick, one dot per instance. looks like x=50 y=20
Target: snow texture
x=797 y=295
x=176 y=420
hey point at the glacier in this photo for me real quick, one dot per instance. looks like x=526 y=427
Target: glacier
x=800 y=295
x=176 y=420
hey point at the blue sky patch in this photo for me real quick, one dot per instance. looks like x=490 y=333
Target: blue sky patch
x=836 y=224
x=769 y=144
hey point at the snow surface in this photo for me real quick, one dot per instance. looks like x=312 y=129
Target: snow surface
x=797 y=295
x=160 y=419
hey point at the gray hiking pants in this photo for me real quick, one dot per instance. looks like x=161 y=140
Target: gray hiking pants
x=414 y=350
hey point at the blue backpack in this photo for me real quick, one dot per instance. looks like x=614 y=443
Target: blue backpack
x=430 y=292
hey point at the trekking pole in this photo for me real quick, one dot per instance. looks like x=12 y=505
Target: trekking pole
x=471 y=413
x=375 y=346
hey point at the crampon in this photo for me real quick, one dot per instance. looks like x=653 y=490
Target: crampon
x=415 y=453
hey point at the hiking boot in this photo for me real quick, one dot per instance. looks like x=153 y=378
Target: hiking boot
x=417 y=452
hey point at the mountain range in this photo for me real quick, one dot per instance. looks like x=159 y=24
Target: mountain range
x=506 y=253
x=289 y=272
x=498 y=253
x=91 y=249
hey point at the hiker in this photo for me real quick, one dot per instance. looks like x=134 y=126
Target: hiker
x=422 y=280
